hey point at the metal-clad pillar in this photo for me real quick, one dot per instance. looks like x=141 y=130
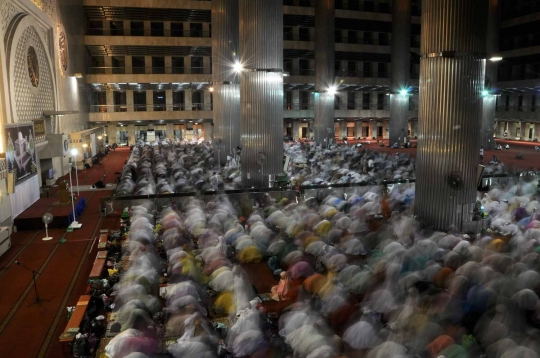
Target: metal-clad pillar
x=401 y=63
x=226 y=100
x=451 y=81
x=323 y=125
x=261 y=91
x=492 y=48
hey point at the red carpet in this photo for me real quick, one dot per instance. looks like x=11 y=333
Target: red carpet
x=33 y=331
x=110 y=164
x=507 y=157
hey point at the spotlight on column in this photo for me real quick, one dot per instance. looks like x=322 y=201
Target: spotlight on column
x=74 y=151
x=485 y=93
x=211 y=89
x=332 y=90
x=238 y=67
x=404 y=92
x=495 y=58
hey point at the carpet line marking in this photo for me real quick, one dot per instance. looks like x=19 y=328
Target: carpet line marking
x=30 y=286
x=59 y=313
x=52 y=328
x=74 y=278
x=22 y=248
x=25 y=246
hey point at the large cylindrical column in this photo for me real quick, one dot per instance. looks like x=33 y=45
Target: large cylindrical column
x=323 y=125
x=492 y=48
x=226 y=101
x=451 y=80
x=401 y=63
x=261 y=90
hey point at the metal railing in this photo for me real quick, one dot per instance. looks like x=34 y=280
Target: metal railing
x=288 y=36
x=300 y=72
x=361 y=73
x=149 y=70
x=297 y=106
x=519 y=76
x=353 y=40
x=112 y=108
x=148 y=32
x=517 y=108
x=343 y=106
x=339 y=39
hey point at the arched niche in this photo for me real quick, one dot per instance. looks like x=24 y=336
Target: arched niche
x=28 y=58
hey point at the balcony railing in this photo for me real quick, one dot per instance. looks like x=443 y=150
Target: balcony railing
x=148 y=32
x=342 y=106
x=208 y=71
x=300 y=72
x=361 y=74
x=150 y=70
x=353 y=40
x=339 y=39
x=297 y=106
x=517 y=108
x=297 y=37
x=518 y=76
x=150 y=107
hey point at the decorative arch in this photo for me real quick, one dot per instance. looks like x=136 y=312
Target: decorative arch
x=28 y=57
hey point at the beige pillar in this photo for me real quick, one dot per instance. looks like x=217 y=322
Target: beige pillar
x=110 y=101
x=147 y=30
x=131 y=133
x=111 y=133
x=149 y=101
x=129 y=101
x=188 y=100
x=129 y=64
x=512 y=132
x=168 y=64
x=169 y=100
x=148 y=64
x=169 y=133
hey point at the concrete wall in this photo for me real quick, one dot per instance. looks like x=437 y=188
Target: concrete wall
x=73 y=93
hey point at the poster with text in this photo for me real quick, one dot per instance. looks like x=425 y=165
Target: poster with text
x=21 y=151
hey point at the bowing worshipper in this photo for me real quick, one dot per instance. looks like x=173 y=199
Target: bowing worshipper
x=392 y=291
x=283 y=290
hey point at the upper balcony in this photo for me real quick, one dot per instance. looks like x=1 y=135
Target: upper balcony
x=144 y=37
x=374 y=110
x=135 y=112
x=152 y=4
x=148 y=74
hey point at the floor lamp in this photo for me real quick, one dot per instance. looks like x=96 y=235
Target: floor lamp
x=74 y=224
x=74 y=153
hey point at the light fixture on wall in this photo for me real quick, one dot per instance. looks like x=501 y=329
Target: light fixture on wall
x=238 y=67
x=78 y=75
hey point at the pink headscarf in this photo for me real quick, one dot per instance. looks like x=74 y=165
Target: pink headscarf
x=279 y=292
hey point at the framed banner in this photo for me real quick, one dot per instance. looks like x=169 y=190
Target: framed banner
x=20 y=151
x=39 y=129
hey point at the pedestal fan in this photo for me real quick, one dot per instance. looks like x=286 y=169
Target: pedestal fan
x=47 y=219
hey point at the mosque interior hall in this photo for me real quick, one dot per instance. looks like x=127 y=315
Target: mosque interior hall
x=270 y=178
